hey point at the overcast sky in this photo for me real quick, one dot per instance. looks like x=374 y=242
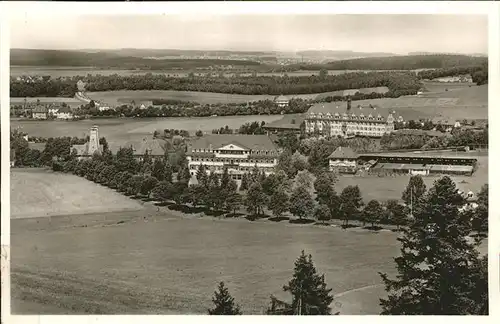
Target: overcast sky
x=368 y=33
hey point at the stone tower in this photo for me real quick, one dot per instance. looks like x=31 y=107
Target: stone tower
x=94 y=140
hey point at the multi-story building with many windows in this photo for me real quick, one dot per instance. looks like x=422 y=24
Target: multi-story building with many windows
x=330 y=119
x=239 y=153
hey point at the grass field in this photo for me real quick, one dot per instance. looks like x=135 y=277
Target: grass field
x=145 y=262
x=173 y=265
x=37 y=193
x=124 y=129
x=121 y=96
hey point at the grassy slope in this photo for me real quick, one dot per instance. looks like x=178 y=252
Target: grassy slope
x=36 y=194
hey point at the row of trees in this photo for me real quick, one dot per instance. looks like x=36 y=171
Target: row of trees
x=248 y=85
x=252 y=128
x=261 y=107
x=439 y=270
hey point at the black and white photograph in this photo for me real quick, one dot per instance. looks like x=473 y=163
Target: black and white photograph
x=249 y=164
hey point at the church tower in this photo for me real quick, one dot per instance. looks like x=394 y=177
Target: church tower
x=94 y=140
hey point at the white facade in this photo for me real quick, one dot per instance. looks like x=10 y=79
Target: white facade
x=343 y=165
x=64 y=115
x=336 y=124
x=237 y=159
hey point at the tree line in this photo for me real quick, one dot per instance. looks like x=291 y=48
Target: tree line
x=248 y=85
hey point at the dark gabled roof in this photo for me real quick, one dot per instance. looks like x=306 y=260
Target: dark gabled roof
x=40 y=109
x=154 y=146
x=341 y=107
x=281 y=98
x=251 y=142
x=343 y=153
x=63 y=110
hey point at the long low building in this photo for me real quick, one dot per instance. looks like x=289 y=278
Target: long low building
x=345 y=160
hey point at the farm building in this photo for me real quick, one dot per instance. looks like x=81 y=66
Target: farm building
x=154 y=147
x=343 y=160
x=331 y=120
x=87 y=150
x=448 y=123
x=420 y=164
x=64 y=113
x=287 y=123
x=239 y=153
x=40 y=112
x=282 y=101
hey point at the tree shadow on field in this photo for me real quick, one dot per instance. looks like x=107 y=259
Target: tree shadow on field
x=348 y=226
x=185 y=209
x=234 y=215
x=302 y=221
x=163 y=203
x=321 y=224
x=255 y=217
x=279 y=219
x=373 y=228
x=214 y=213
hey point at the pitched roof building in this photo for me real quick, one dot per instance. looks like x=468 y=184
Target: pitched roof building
x=343 y=160
x=238 y=153
x=339 y=119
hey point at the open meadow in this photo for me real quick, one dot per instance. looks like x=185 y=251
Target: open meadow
x=126 y=96
x=39 y=193
x=124 y=129
x=149 y=262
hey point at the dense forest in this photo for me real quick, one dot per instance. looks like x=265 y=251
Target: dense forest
x=399 y=83
x=408 y=62
x=35 y=57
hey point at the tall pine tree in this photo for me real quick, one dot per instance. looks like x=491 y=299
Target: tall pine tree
x=223 y=302
x=440 y=271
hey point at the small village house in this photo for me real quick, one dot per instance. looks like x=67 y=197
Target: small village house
x=40 y=112
x=282 y=101
x=343 y=160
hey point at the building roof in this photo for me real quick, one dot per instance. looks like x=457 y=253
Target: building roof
x=281 y=98
x=286 y=122
x=250 y=142
x=339 y=110
x=343 y=153
x=64 y=110
x=420 y=155
x=36 y=146
x=83 y=149
x=40 y=109
x=154 y=146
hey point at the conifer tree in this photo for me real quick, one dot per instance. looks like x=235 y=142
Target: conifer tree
x=244 y=182
x=223 y=302
x=440 y=271
x=310 y=295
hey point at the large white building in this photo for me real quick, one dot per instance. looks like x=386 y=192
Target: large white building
x=339 y=119
x=239 y=153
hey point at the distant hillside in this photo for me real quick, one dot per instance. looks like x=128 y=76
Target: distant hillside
x=436 y=53
x=341 y=55
x=408 y=62
x=109 y=59
x=137 y=52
